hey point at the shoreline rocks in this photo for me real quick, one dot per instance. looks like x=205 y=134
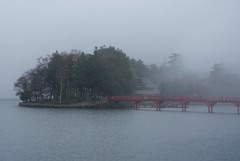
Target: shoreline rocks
x=95 y=104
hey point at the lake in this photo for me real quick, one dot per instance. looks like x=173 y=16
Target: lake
x=48 y=134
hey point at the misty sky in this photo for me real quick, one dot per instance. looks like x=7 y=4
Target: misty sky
x=203 y=31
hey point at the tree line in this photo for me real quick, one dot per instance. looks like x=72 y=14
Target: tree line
x=174 y=79
x=77 y=76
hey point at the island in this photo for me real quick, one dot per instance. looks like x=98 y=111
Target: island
x=78 y=79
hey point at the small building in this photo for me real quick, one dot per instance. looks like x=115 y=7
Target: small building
x=148 y=88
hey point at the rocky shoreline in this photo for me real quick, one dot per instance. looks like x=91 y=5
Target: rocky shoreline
x=72 y=105
x=94 y=104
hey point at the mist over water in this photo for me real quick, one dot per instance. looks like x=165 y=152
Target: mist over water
x=48 y=134
x=204 y=32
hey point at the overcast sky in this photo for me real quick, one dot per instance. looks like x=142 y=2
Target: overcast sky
x=203 y=31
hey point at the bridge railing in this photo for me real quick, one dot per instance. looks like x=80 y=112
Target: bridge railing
x=174 y=98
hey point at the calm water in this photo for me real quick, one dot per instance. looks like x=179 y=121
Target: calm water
x=35 y=134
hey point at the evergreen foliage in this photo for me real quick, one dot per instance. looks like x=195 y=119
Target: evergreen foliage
x=78 y=76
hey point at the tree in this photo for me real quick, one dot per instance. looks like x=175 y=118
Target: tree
x=175 y=60
x=222 y=82
x=114 y=74
x=139 y=70
x=23 y=87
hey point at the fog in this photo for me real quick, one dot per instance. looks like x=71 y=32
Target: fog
x=204 y=32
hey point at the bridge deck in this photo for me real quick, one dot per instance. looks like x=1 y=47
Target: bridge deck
x=177 y=98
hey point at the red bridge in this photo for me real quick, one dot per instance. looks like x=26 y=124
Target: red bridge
x=183 y=101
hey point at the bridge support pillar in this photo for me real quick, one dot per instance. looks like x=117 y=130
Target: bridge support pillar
x=210 y=109
x=158 y=107
x=135 y=106
x=238 y=107
x=184 y=108
x=210 y=105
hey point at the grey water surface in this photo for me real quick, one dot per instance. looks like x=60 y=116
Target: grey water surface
x=48 y=134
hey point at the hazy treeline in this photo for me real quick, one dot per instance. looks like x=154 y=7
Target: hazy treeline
x=108 y=71
x=173 y=79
